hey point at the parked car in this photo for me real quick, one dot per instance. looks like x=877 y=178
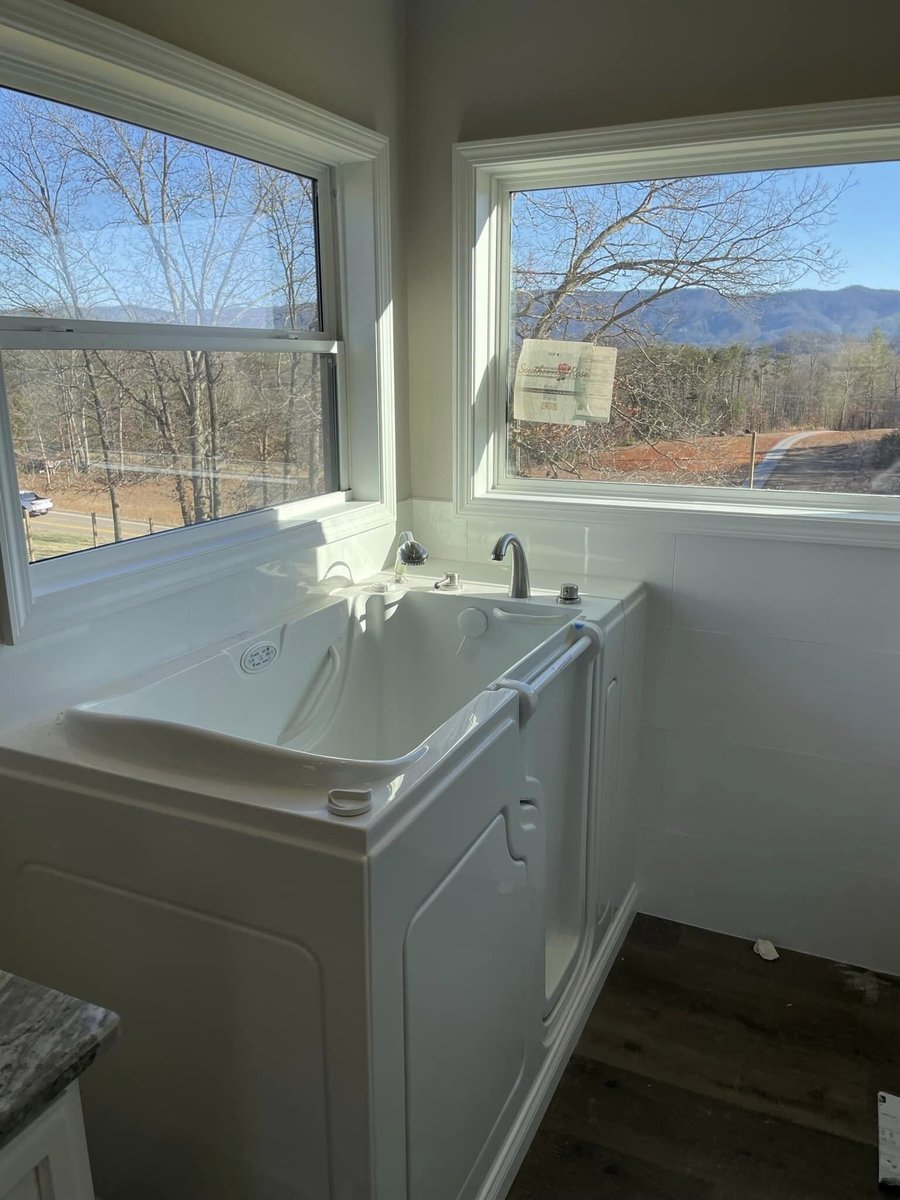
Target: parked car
x=34 y=504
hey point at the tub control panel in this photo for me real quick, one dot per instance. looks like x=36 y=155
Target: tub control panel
x=258 y=656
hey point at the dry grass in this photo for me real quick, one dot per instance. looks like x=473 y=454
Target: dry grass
x=725 y=461
x=141 y=498
x=137 y=501
x=721 y=460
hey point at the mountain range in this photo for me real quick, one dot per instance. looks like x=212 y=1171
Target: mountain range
x=701 y=317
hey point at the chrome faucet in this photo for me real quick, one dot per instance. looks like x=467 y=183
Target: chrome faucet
x=519 y=587
x=410 y=553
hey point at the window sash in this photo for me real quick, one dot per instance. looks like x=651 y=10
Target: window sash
x=129 y=109
x=28 y=333
x=52 y=577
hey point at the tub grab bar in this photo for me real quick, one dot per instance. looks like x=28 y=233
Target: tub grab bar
x=529 y=690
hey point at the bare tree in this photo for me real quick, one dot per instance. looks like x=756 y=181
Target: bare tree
x=280 y=198
x=49 y=265
x=589 y=262
x=597 y=256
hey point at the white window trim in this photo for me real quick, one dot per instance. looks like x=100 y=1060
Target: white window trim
x=62 y=52
x=485 y=173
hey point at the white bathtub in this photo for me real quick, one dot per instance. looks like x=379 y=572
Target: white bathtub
x=353 y=693
x=351 y=906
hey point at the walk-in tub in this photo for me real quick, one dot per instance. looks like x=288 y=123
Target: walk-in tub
x=351 y=881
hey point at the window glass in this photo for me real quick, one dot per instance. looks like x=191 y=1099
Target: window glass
x=104 y=220
x=108 y=222
x=737 y=330
x=112 y=445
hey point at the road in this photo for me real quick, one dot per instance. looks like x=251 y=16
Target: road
x=75 y=522
x=774 y=458
x=839 y=462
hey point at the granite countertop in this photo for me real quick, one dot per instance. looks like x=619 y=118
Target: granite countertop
x=47 y=1039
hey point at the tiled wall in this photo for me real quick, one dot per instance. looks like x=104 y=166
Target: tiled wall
x=770 y=781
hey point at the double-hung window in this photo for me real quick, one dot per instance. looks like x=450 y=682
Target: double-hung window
x=688 y=316
x=194 y=314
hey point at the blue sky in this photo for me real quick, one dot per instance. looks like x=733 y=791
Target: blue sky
x=866 y=232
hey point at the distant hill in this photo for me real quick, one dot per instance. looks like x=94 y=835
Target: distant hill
x=701 y=317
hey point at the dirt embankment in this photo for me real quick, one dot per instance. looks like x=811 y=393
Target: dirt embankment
x=840 y=461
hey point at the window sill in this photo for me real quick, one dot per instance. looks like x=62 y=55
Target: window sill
x=806 y=518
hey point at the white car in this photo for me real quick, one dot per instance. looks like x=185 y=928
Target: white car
x=35 y=505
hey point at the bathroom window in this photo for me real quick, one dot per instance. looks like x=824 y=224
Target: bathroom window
x=167 y=357
x=195 y=318
x=680 y=312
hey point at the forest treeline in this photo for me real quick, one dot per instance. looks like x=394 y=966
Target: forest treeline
x=223 y=431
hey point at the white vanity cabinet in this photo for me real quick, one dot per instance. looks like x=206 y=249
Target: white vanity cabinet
x=48 y=1159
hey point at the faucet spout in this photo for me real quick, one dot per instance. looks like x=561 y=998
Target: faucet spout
x=519 y=584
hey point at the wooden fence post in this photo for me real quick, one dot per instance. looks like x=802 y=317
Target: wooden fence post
x=28 y=537
x=94 y=526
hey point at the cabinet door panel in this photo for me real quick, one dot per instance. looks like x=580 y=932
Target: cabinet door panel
x=27 y=1188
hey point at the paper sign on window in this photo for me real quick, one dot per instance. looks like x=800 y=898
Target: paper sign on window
x=564 y=382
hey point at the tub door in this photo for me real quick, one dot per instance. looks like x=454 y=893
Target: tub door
x=557 y=744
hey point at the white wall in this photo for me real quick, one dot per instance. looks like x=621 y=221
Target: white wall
x=770 y=781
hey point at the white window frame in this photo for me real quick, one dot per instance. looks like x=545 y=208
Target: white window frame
x=487 y=172
x=56 y=50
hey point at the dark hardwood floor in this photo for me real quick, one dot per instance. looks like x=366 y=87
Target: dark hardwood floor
x=706 y=1073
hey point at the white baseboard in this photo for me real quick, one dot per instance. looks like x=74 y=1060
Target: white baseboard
x=503 y=1172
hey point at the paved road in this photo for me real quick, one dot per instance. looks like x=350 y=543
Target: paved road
x=829 y=466
x=75 y=522
x=774 y=458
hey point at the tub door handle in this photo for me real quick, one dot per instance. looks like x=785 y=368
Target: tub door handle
x=529 y=690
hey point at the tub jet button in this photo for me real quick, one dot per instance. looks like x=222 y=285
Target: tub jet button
x=472 y=623
x=568 y=594
x=349 y=802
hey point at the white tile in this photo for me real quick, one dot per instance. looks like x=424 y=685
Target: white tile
x=72 y=665
x=437 y=526
x=851 y=916
x=837 y=702
x=713 y=684
x=253 y=597
x=837 y=814
x=248 y=599
x=405 y=514
x=597 y=550
x=806 y=591
x=356 y=558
